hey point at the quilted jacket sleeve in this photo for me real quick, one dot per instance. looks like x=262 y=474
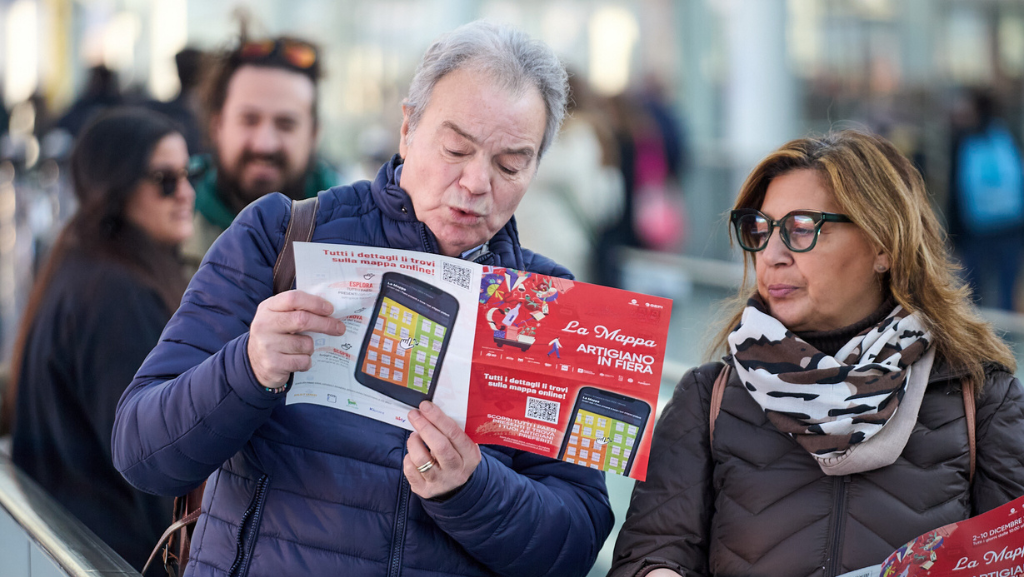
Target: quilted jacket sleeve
x=195 y=401
x=999 y=469
x=669 y=515
x=558 y=511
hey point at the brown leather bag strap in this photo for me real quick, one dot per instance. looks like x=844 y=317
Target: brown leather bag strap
x=193 y=507
x=969 y=411
x=186 y=512
x=716 y=399
x=176 y=526
x=300 y=228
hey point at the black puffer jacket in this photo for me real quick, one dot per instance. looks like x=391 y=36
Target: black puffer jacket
x=759 y=505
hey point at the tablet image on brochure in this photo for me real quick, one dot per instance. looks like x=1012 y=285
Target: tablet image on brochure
x=404 y=347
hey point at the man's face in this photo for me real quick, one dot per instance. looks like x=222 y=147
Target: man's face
x=471 y=157
x=265 y=134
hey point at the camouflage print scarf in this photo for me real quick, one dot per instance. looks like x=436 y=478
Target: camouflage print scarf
x=828 y=404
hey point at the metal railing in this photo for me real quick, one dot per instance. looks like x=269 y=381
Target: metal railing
x=48 y=534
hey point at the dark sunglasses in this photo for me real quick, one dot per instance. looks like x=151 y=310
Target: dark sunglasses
x=799 y=229
x=168 y=180
x=296 y=53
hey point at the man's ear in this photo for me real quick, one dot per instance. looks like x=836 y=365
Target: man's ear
x=404 y=132
x=214 y=128
x=315 y=136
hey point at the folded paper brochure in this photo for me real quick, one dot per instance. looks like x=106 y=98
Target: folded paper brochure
x=560 y=368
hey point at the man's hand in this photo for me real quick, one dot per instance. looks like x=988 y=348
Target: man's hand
x=438 y=440
x=275 y=349
x=663 y=573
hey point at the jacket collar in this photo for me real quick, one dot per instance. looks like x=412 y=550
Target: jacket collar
x=942 y=371
x=406 y=231
x=217 y=211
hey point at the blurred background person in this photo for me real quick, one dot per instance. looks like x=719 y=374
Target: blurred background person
x=986 y=201
x=111 y=283
x=854 y=364
x=184 y=109
x=101 y=92
x=659 y=146
x=649 y=140
x=578 y=191
x=261 y=114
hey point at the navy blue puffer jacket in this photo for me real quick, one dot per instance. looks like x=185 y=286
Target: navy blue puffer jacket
x=308 y=490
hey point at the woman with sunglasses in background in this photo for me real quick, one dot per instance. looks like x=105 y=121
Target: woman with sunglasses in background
x=111 y=282
x=843 y=428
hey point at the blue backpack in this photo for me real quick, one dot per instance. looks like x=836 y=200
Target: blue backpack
x=990 y=181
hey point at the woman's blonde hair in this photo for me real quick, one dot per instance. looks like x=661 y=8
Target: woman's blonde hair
x=885 y=196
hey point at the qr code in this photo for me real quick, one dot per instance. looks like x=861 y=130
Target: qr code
x=456 y=274
x=541 y=410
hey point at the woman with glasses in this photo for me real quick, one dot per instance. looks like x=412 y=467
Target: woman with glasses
x=112 y=280
x=855 y=375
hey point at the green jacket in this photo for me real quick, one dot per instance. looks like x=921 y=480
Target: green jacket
x=214 y=215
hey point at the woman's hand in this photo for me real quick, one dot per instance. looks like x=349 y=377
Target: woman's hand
x=663 y=573
x=438 y=440
x=275 y=349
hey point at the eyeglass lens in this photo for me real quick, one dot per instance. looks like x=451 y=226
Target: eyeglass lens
x=798 y=231
x=168 y=181
x=298 y=54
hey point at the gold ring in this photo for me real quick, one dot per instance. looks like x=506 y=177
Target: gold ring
x=426 y=466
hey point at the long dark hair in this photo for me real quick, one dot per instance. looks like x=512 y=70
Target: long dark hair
x=111 y=157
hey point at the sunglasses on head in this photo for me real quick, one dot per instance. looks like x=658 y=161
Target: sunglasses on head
x=799 y=229
x=168 y=180
x=296 y=53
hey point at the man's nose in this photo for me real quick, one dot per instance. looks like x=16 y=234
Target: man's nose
x=476 y=175
x=265 y=138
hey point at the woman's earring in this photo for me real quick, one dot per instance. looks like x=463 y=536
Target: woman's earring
x=880 y=268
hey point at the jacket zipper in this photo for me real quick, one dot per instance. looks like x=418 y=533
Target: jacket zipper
x=401 y=515
x=247 y=529
x=839 y=485
x=426 y=240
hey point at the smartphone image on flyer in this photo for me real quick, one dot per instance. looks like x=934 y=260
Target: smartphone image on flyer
x=407 y=339
x=604 y=430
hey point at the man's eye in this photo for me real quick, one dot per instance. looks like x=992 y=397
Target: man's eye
x=512 y=164
x=456 y=153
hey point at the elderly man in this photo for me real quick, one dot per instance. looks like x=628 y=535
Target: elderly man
x=261 y=109
x=303 y=489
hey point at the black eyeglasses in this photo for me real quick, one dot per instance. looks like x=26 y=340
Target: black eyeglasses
x=168 y=180
x=296 y=53
x=799 y=228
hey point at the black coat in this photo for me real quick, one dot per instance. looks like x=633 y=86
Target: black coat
x=759 y=504
x=94 y=327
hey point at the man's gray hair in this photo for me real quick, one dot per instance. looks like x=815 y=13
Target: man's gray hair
x=510 y=57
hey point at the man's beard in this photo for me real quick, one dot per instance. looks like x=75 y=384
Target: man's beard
x=232 y=191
